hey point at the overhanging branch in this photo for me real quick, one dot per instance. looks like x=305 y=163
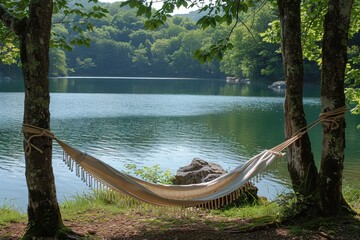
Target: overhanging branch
x=10 y=21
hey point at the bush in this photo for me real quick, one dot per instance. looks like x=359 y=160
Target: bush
x=151 y=174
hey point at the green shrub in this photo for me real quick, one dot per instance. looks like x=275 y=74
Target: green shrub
x=152 y=174
x=293 y=204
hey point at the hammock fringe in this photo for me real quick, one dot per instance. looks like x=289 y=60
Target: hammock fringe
x=98 y=185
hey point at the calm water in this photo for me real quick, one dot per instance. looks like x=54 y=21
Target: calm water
x=158 y=121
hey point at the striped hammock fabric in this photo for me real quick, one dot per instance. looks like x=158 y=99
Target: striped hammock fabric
x=213 y=194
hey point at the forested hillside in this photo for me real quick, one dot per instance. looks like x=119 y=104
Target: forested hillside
x=121 y=46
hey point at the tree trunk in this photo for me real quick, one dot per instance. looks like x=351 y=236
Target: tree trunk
x=301 y=165
x=334 y=58
x=44 y=218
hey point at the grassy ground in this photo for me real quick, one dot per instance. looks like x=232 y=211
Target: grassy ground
x=104 y=216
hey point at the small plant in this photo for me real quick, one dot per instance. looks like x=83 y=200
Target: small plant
x=9 y=214
x=152 y=174
x=352 y=196
x=293 y=204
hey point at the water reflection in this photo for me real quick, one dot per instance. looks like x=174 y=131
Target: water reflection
x=151 y=85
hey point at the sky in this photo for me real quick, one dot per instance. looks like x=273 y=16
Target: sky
x=181 y=10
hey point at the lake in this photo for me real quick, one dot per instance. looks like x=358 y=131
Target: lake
x=165 y=121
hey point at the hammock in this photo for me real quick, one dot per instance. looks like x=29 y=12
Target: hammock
x=213 y=194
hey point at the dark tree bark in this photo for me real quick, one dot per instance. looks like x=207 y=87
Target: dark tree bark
x=44 y=218
x=43 y=210
x=334 y=58
x=301 y=165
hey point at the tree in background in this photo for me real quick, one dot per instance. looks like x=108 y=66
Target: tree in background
x=29 y=23
x=251 y=57
x=58 y=66
x=122 y=47
x=122 y=31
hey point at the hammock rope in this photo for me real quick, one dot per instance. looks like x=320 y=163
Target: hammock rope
x=214 y=194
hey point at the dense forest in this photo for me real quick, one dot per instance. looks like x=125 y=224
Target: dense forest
x=121 y=46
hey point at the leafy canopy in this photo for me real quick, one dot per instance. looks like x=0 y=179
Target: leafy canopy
x=218 y=13
x=76 y=14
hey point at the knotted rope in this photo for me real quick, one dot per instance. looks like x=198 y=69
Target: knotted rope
x=36 y=132
x=331 y=117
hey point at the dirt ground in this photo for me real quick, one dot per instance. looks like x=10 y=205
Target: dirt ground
x=135 y=225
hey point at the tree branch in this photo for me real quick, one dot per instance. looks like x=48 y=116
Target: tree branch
x=10 y=21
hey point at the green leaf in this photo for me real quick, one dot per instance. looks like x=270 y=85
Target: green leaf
x=152 y=24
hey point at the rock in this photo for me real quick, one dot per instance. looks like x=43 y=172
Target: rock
x=279 y=85
x=197 y=172
x=232 y=80
x=245 y=81
x=202 y=171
